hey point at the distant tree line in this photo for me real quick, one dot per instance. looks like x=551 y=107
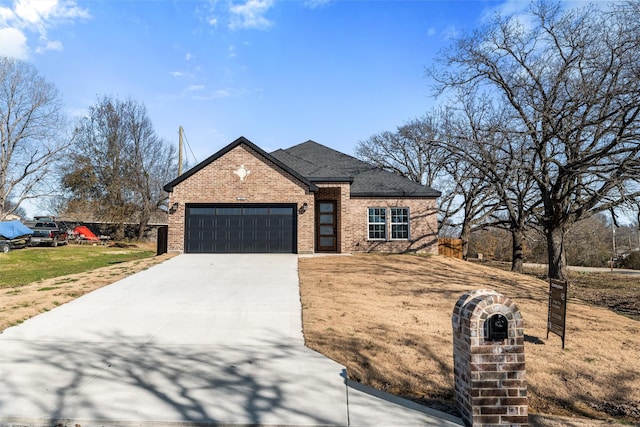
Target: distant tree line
x=592 y=242
x=109 y=165
x=540 y=131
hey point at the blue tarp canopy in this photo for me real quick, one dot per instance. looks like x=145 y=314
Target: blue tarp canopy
x=13 y=229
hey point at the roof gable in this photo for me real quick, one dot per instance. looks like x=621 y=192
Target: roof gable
x=240 y=141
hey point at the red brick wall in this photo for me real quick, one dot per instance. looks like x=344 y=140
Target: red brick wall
x=353 y=231
x=423 y=226
x=217 y=183
x=490 y=376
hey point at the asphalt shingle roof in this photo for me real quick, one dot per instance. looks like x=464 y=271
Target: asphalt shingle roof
x=311 y=163
x=318 y=163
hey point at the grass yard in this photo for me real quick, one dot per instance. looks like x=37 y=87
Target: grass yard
x=387 y=318
x=38 y=279
x=32 y=264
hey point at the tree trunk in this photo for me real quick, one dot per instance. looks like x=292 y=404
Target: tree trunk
x=464 y=236
x=517 y=256
x=144 y=221
x=555 y=249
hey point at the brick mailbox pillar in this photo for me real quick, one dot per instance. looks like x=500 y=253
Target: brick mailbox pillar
x=488 y=353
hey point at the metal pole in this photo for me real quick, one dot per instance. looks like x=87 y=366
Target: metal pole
x=613 y=238
x=180 y=151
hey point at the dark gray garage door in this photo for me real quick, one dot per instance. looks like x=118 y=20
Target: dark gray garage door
x=240 y=229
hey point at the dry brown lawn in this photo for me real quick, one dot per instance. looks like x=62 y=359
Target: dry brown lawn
x=387 y=318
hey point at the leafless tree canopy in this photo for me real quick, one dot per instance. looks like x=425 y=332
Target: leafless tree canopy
x=118 y=165
x=570 y=83
x=31 y=134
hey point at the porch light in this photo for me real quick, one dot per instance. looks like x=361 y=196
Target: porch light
x=174 y=207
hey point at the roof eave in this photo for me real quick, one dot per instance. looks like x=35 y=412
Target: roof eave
x=397 y=195
x=348 y=180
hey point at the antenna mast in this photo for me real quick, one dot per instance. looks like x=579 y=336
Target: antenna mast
x=180 y=131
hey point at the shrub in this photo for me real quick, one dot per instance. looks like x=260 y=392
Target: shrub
x=632 y=261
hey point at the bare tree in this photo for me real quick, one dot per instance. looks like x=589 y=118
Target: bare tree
x=472 y=202
x=410 y=151
x=476 y=136
x=571 y=82
x=151 y=164
x=31 y=134
x=118 y=165
x=417 y=152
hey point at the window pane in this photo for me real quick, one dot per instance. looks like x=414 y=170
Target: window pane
x=377 y=223
x=228 y=211
x=201 y=211
x=256 y=211
x=377 y=215
x=326 y=219
x=377 y=231
x=326 y=241
x=326 y=230
x=399 y=215
x=400 y=231
x=399 y=223
x=326 y=207
x=281 y=211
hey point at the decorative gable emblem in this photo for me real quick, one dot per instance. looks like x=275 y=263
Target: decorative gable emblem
x=242 y=172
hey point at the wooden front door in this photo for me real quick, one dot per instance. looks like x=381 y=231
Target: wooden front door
x=327 y=226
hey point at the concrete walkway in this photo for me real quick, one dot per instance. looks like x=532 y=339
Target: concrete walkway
x=196 y=340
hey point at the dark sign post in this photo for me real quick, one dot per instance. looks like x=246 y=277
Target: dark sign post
x=557 y=308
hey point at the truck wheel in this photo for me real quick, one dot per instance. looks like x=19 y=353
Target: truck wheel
x=55 y=242
x=4 y=248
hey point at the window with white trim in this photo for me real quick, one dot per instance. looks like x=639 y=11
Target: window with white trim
x=399 y=223
x=377 y=223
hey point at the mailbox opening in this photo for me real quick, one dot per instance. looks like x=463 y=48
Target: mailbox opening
x=496 y=328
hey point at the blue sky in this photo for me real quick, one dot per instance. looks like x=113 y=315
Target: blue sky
x=276 y=72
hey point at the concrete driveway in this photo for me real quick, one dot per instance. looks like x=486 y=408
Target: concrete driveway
x=196 y=340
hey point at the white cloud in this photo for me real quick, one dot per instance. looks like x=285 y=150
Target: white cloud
x=34 y=12
x=6 y=14
x=13 y=43
x=35 y=18
x=221 y=93
x=313 y=4
x=451 y=32
x=50 y=45
x=238 y=14
x=176 y=73
x=195 y=88
x=250 y=14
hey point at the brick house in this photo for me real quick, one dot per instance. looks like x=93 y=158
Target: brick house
x=304 y=199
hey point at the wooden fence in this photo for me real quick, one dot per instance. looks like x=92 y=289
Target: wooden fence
x=449 y=247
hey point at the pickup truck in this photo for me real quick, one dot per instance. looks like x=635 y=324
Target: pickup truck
x=49 y=233
x=14 y=235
